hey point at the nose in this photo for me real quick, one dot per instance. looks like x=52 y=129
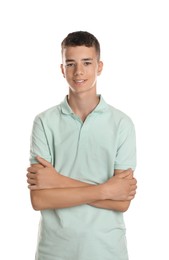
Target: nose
x=79 y=70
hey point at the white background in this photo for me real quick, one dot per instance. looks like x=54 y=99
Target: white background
x=134 y=37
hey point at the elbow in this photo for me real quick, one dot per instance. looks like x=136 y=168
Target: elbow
x=35 y=206
x=125 y=206
x=124 y=209
x=35 y=201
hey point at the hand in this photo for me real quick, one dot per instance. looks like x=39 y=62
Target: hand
x=121 y=186
x=44 y=177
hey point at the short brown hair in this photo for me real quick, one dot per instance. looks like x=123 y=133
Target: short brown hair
x=80 y=38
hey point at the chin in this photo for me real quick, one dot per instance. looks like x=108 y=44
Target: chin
x=81 y=90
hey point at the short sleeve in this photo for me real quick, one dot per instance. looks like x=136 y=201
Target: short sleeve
x=38 y=143
x=126 y=149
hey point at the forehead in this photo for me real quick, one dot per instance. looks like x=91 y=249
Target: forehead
x=79 y=52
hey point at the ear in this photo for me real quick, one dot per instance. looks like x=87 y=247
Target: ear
x=62 y=70
x=100 y=67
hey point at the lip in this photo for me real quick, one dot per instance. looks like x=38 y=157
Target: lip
x=79 y=80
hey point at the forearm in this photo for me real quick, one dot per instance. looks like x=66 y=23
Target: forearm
x=121 y=206
x=67 y=182
x=49 y=189
x=65 y=197
x=69 y=197
x=104 y=204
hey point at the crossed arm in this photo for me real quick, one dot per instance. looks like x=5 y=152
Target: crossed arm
x=51 y=190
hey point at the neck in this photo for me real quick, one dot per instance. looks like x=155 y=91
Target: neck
x=83 y=104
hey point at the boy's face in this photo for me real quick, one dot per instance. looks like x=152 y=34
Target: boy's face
x=81 y=67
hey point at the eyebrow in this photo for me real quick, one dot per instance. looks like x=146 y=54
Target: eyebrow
x=85 y=59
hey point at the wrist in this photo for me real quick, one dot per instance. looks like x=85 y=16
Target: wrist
x=61 y=181
x=103 y=191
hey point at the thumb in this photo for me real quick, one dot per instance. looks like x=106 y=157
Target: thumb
x=43 y=162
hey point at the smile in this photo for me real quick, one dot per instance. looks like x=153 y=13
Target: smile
x=79 y=81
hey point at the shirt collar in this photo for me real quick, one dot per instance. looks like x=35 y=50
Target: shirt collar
x=66 y=109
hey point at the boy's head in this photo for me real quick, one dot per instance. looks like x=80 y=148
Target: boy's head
x=81 y=38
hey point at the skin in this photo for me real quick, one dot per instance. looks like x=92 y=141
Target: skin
x=49 y=188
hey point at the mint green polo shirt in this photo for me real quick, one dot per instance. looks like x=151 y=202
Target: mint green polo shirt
x=88 y=151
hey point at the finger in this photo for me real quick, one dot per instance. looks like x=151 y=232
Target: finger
x=129 y=176
x=31 y=181
x=130 y=197
x=133 y=181
x=32 y=187
x=133 y=191
x=133 y=187
x=31 y=175
x=32 y=169
x=43 y=162
x=35 y=187
x=129 y=172
x=126 y=173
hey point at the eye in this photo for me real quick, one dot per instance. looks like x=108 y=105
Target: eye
x=70 y=64
x=86 y=63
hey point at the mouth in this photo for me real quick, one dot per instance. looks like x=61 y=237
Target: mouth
x=78 y=81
